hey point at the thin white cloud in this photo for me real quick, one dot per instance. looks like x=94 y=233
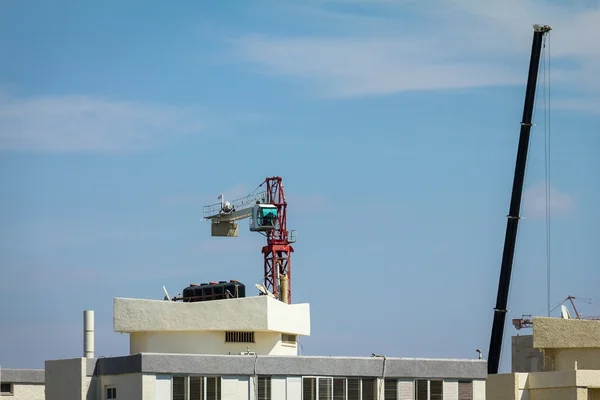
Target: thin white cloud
x=82 y=123
x=449 y=44
x=534 y=201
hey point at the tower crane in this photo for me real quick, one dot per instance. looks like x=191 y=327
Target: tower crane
x=266 y=209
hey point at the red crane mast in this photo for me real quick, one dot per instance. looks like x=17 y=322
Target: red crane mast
x=278 y=251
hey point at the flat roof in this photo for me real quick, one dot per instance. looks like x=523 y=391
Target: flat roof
x=259 y=313
x=31 y=376
x=223 y=365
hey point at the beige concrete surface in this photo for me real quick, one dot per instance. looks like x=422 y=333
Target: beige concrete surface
x=502 y=387
x=266 y=343
x=66 y=379
x=571 y=393
x=559 y=333
x=565 y=359
x=525 y=358
x=479 y=388
x=260 y=313
x=26 y=391
x=129 y=386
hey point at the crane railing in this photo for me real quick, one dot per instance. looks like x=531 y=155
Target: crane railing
x=216 y=210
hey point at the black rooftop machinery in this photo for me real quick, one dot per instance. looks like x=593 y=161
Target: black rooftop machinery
x=515 y=203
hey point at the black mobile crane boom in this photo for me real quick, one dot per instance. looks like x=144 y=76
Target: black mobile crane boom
x=515 y=203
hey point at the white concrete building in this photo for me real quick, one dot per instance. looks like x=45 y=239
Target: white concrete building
x=22 y=384
x=152 y=376
x=260 y=325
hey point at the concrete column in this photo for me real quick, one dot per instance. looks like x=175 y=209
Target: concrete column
x=88 y=333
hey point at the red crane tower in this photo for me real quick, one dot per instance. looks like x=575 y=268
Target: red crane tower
x=267 y=210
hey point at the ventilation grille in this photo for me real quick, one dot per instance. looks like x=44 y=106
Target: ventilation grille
x=239 y=337
x=288 y=339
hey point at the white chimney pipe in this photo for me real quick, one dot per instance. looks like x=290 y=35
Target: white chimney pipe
x=88 y=333
x=283 y=289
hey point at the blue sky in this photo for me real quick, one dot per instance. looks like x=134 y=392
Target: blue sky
x=394 y=125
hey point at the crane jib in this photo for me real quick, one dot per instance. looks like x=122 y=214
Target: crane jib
x=515 y=204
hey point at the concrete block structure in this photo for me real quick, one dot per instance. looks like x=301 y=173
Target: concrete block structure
x=22 y=384
x=570 y=368
x=261 y=325
x=71 y=379
x=526 y=358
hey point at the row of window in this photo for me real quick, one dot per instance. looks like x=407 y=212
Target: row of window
x=248 y=337
x=325 y=388
x=196 y=388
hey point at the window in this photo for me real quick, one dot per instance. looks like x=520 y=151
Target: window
x=339 y=389
x=354 y=388
x=325 y=388
x=309 y=388
x=429 y=390
x=436 y=390
x=111 y=393
x=264 y=388
x=288 y=339
x=465 y=390
x=239 y=337
x=421 y=390
x=269 y=216
x=390 y=391
x=368 y=389
x=179 y=388
x=328 y=388
x=196 y=388
x=6 y=389
x=213 y=388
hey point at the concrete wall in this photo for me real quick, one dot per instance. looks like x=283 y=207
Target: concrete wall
x=71 y=379
x=149 y=387
x=266 y=343
x=292 y=366
x=525 y=358
x=261 y=313
x=571 y=393
x=129 y=386
x=558 y=333
x=564 y=359
x=479 y=389
x=26 y=391
x=502 y=387
x=66 y=379
x=556 y=385
x=27 y=384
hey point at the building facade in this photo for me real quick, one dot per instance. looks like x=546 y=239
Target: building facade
x=255 y=377
x=570 y=368
x=259 y=325
x=22 y=384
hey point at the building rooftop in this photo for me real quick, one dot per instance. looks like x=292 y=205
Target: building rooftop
x=153 y=363
x=260 y=313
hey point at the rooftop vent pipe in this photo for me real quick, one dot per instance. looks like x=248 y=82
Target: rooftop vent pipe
x=88 y=333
